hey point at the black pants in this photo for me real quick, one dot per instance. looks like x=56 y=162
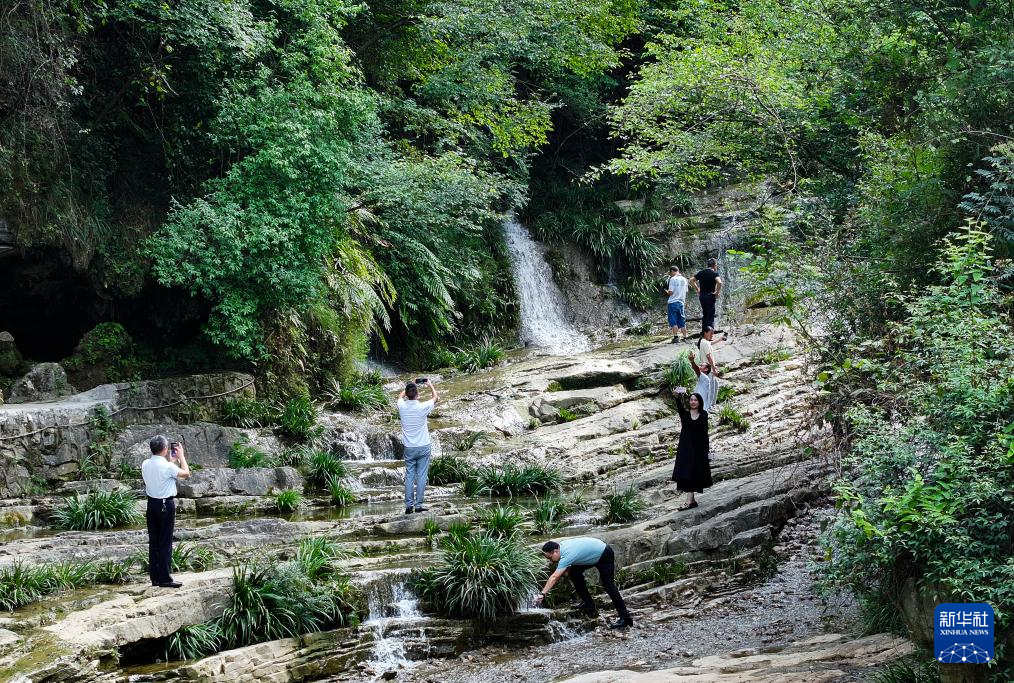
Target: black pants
x=607 y=575
x=161 y=518
x=707 y=310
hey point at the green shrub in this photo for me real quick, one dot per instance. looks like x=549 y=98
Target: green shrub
x=242 y=455
x=246 y=413
x=512 y=480
x=126 y=471
x=471 y=486
x=69 y=574
x=21 y=585
x=365 y=391
x=549 y=513
x=466 y=442
x=194 y=642
x=566 y=415
x=97 y=510
x=456 y=533
x=484 y=355
x=667 y=571
x=319 y=557
x=288 y=500
x=502 y=521
x=341 y=495
x=481 y=577
x=623 y=507
x=299 y=419
x=725 y=392
x=448 y=469
x=112 y=572
x=324 y=469
x=188 y=556
x=728 y=415
x=677 y=374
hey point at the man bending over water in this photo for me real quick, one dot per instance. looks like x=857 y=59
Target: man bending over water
x=573 y=556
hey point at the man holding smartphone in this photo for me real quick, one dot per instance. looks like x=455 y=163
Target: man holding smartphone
x=416 y=435
x=160 y=472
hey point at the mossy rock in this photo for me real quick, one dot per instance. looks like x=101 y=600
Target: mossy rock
x=11 y=362
x=105 y=354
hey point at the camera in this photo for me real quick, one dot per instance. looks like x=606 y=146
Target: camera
x=421 y=380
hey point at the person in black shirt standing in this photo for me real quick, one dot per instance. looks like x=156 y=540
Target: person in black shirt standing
x=708 y=285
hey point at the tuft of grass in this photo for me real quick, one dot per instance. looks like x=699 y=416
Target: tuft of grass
x=486 y=354
x=725 y=392
x=512 y=480
x=299 y=419
x=246 y=412
x=364 y=392
x=907 y=671
x=667 y=571
x=323 y=468
x=127 y=471
x=679 y=373
x=549 y=513
x=112 y=572
x=566 y=414
x=341 y=495
x=21 y=585
x=466 y=442
x=187 y=557
x=502 y=521
x=769 y=356
x=319 y=557
x=449 y=469
x=97 y=510
x=194 y=642
x=432 y=529
x=288 y=500
x=623 y=507
x=242 y=456
x=481 y=577
x=728 y=415
x=554 y=386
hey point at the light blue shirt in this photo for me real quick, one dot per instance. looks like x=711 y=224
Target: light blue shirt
x=580 y=550
x=159 y=477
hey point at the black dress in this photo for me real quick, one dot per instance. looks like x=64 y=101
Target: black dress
x=692 y=471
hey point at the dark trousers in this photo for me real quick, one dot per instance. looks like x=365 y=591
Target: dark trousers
x=161 y=518
x=607 y=575
x=707 y=310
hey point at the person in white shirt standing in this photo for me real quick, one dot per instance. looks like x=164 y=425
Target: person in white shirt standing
x=160 y=472
x=676 y=306
x=416 y=435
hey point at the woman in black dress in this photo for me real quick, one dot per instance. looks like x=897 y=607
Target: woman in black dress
x=692 y=471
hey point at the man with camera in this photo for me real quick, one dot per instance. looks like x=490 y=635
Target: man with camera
x=160 y=472
x=415 y=434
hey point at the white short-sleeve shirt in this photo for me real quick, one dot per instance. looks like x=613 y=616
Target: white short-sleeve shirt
x=678 y=286
x=414 y=430
x=159 y=477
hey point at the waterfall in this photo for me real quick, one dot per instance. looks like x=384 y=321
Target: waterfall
x=544 y=321
x=392 y=607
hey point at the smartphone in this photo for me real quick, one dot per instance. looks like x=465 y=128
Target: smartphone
x=421 y=380
x=173 y=447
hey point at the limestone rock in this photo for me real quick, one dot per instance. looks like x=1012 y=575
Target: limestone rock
x=10 y=357
x=249 y=481
x=206 y=444
x=44 y=382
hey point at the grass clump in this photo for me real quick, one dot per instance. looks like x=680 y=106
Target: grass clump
x=667 y=571
x=323 y=468
x=511 y=480
x=456 y=533
x=679 y=373
x=111 y=572
x=566 y=414
x=242 y=455
x=125 y=470
x=549 y=513
x=486 y=354
x=907 y=671
x=466 y=442
x=725 y=392
x=728 y=415
x=319 y=557
x=769 y=356
x=449 y=469
x=288 y=500
x=623 y=507
x=480 y=577
x=194 y=642
x=341 y=495
x=299 y=419
x=502 y=521
x=97 y=510
x=22 y=585
x=554 y=386
x=246 y=412
x=363 y=392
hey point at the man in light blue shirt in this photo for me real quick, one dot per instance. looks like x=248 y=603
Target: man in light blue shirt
x=573 y=556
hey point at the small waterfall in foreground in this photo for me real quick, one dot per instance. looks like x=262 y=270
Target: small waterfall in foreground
x=393 y=609
x=543 y=315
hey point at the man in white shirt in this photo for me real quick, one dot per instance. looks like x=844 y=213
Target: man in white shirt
x=416 y=435
x=160 y=473
x=675 y=307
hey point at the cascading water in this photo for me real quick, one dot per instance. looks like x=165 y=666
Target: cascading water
x=544 y=321
x=392 y=607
